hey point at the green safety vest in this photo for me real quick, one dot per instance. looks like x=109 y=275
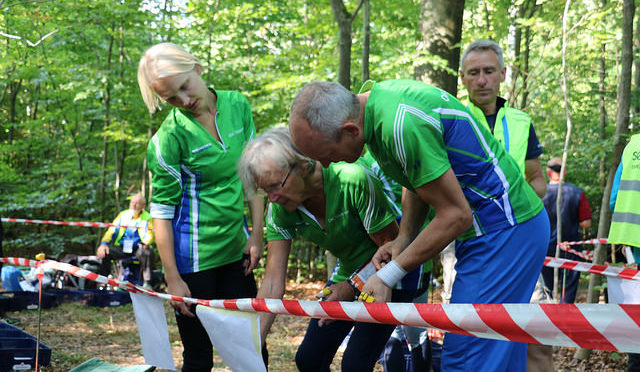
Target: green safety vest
x=511 y=130
x=625 y=223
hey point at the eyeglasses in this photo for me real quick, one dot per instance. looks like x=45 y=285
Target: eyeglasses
x=274 y=188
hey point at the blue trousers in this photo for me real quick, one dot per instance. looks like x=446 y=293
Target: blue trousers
x=366 y=342
x=498 y=267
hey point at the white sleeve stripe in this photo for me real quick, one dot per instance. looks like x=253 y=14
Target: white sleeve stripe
x=279 y=229
x=371 y=205
x=172 y=171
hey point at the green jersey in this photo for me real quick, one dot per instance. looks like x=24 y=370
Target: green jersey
x=196 y=185
x=417 y=132
x=355 y=207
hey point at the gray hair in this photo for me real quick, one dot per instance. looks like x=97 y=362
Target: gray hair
x=483 y=46
x=273 y=146
x=325 y=106
x=162 y=60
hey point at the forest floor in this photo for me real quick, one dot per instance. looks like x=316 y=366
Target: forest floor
x=77 y=333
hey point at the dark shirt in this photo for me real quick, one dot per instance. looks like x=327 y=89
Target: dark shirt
x=534 y=148
x=575 y=209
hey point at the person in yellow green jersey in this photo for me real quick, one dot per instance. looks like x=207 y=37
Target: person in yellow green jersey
x=130 y=237
x=197 y=203
x=342 y=209
x=429 y=142
x=625 y=204
x=482 y=72
x=414 y=339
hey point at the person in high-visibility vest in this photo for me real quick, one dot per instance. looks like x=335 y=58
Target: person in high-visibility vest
x=131 y=237
x=625 y=204
x=482 y=72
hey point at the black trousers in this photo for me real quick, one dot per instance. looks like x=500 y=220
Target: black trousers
x=223 y=282
x=145 y=256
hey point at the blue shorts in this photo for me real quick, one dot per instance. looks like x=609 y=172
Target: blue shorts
x=498 y=267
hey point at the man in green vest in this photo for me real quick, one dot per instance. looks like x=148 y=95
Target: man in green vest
x=625 y=203
x=482 y=73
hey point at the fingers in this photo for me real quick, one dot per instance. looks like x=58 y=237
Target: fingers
x=182 y=308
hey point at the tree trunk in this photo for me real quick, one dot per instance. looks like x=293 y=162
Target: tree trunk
x=603 y=108
x=622 y=128
x=343 y=18
x=366 y=33
x=441 y=29
x=567 y=140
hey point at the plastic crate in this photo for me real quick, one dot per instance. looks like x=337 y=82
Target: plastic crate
x=4 y=303
x=72 y=295
x=29 y=300
x=19 y=353
x=108 y=298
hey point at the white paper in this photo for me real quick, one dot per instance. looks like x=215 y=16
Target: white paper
x=153 y=330
x=236 y=337
x=623 y=291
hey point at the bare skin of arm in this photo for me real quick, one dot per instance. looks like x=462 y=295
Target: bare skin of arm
x=535 y=177
x=453 y=217
x=273 y=284
x=343 y=291
x=175 y=285
x=254 y=247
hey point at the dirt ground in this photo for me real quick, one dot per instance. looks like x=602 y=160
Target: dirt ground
x=77 y=333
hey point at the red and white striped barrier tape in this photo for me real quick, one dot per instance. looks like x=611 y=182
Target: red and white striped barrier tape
x=64 y=223
x=587 y=255
x=590 y=241
x=607 y=270
x=594 y=326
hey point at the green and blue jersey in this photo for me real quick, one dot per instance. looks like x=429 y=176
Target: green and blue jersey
x=417 y=132
x=196 y=184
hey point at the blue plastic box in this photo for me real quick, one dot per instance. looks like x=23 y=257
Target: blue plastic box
x=18 y=350
x=108 y=298
x=20 y=354
x=28 y=300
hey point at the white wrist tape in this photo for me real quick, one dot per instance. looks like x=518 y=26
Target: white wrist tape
x=391 y=273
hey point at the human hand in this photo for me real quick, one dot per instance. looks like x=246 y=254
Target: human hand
x=177 y=287
x=336 y=292
x=253 y=251
x=389 y=251
x=374 y=287
x=103 y=250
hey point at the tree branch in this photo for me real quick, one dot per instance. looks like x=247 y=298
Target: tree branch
x=355 y=13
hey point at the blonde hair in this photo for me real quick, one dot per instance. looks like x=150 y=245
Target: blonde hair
x=162 y=60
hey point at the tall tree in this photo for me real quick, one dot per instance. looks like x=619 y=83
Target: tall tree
x=344 y=20
x=441 y=30
x=622 y=129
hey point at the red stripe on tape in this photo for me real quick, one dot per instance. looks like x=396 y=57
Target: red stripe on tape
x=294 y=307
x=259 y=304
x=570 y=320
x=436 y=316
x=628 y=273
x=633 y=311
x=499 y=319
x=380 y=312
x=334 y=310
x=230 y=304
